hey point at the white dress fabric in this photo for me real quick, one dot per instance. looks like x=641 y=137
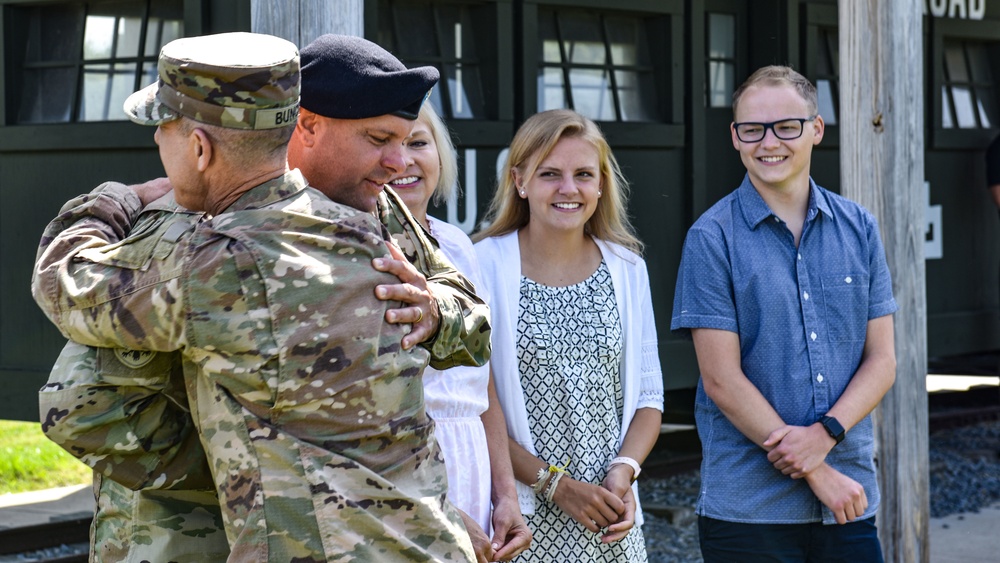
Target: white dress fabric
x=641 y=378
x=569 y=350
x=455 y=398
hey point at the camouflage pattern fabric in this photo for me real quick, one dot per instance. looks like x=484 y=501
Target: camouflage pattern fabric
x=314 y=424
x=463 y=337
x=199 y=78
x=155 y=525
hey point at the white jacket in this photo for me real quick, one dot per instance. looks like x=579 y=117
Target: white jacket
x=500 y=263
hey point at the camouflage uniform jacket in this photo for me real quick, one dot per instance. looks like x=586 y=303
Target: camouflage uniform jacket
x=313 y=424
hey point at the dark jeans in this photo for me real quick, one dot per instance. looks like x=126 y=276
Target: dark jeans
x=854 y=542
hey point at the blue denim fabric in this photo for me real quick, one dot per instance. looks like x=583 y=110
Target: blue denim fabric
x=802 y=316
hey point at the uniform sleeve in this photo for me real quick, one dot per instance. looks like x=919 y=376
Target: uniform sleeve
x=463 y=336
x=124 y=413
x=92 y=295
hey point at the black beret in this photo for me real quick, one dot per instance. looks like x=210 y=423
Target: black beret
x=347 y=77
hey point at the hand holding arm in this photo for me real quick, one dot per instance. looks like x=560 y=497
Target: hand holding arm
x=799 y=450
x=423 y=312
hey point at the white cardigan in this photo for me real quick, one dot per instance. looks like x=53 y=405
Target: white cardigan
x=500 y=263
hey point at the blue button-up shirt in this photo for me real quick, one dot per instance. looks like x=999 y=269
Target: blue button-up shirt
x=801 y=315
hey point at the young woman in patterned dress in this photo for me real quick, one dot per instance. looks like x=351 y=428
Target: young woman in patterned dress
x=575 y=358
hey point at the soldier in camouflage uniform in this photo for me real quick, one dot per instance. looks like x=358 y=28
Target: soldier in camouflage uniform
x=313 y=425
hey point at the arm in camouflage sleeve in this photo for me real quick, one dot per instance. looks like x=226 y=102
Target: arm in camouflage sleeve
x=124 y=413
x=89 y=285
x=463 y=336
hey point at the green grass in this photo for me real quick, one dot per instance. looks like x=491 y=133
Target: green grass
x=30 y=462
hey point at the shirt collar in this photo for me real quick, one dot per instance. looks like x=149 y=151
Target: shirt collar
x=282 y=187
x=756 y=211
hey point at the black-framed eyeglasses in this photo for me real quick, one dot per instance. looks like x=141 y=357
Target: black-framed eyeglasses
x=786 y=129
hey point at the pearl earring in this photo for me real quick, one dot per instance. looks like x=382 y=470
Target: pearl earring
x=599 y=193
x=522 y=193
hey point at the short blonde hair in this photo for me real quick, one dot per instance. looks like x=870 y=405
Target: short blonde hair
x=448 y=178
x=532 y=143
x=776 y=75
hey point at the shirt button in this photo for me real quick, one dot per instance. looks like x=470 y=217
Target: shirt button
x=813 y=336
x=800 y=256
x=819 y=378
x=805 y=295
x=848 y=279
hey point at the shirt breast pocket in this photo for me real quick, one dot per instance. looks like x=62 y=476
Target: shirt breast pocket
x=845 y=301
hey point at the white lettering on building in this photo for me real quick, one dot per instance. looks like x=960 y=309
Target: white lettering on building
x=960 y=9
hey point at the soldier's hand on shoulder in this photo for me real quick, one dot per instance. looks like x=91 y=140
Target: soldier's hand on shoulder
x=152 y=190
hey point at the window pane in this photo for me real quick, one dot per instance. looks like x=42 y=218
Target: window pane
x=629 y=45
x=946 y=118
x=635 y=91
x=551 y=91
x=105 y=88
x=721 y=36
x=987 y=107
x=463 y=87
x=47 y=96
x=827 y=109
x=165 y=24
x=954 y=63
x=592 y=94
x=721 y=78
x=581 y=34
x=414 y=31
x=964 y=111
x=980 y=63
x=54 y=34
x=98 y=38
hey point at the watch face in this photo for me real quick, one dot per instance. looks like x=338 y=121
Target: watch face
x=833 y=428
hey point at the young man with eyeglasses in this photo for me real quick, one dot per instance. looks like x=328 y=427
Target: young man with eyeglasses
x=785 y=290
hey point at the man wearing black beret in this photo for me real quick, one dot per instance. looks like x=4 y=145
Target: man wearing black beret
x=358 y=104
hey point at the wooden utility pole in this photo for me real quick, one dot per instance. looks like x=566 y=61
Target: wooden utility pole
x=301 y=21
x=882 y=168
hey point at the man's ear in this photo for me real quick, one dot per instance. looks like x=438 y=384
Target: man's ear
x=819 y=127
x=201 y=145
x=306 y=127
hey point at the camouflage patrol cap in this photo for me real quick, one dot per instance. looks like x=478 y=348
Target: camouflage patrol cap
x=234 y=80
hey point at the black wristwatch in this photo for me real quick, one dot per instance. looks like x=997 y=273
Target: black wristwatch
x=833 y=428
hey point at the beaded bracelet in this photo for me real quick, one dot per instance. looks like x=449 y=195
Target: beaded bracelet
x=540 y=480
x=553 y=483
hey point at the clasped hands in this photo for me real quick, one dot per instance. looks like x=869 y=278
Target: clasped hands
x=610 y=505
x=800 y=452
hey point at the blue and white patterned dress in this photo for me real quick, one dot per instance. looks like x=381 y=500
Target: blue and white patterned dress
x=569 y=346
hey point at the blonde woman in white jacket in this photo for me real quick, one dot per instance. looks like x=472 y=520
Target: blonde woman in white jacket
x=575 y=359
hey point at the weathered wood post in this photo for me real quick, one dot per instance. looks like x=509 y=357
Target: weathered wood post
x=882 y=167
x=301 y=21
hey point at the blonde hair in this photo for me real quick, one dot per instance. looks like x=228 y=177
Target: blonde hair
x=448 y=177
x=775 y=75
x=532 y=143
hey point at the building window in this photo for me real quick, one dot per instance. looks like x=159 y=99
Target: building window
x=598 y=64
x=827 y=74
x=967 y=94
x=443 y=35
x=79 y=61
x=721 y=59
